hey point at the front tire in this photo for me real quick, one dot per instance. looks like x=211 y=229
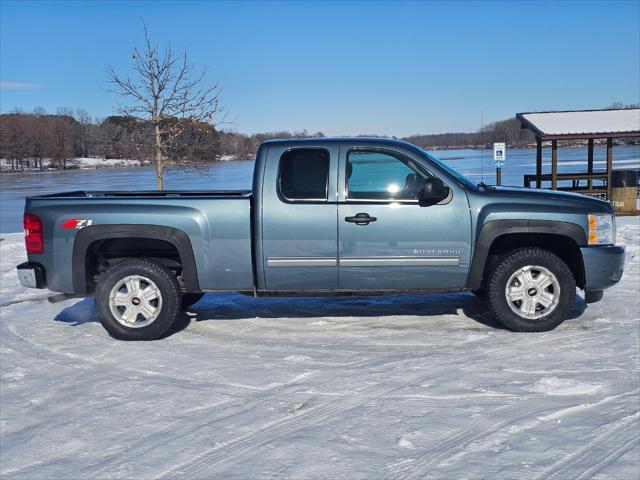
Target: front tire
x=137 y=299
x=531 y=290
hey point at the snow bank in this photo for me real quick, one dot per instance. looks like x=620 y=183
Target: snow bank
x=89 y=162
x=83 y=162
x=340 y=388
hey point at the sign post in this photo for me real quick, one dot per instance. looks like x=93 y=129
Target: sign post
x=499 y=157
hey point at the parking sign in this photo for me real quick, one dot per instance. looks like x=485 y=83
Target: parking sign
x=499 y=154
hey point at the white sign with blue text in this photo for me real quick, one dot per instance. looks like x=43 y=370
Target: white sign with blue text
x=499 y=154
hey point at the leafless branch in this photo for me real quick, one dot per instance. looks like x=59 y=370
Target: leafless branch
x=167 y=93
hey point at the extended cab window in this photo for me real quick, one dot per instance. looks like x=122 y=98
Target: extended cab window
x=304 y=173
x=374 y=175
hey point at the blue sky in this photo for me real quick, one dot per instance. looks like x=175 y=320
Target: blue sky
x=393 y=68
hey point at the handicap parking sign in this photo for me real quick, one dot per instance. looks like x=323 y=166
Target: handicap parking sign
x=499 y=154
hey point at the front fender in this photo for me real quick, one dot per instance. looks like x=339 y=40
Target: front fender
x=496 y=228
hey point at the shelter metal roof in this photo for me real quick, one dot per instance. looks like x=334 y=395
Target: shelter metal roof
x=582 y=123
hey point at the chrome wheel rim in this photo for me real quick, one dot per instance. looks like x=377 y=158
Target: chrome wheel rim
x=532 y=292
x=135 y=301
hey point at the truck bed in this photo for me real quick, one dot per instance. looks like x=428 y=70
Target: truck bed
x=216 y=222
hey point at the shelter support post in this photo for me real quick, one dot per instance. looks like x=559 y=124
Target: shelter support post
x=609 y=166
x=590 y=163
x=554 y=165
x=538 y=162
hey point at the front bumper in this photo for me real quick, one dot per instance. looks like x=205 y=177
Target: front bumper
x=31 y=275
x=603 y=266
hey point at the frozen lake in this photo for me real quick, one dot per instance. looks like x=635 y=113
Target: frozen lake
x=238 y=175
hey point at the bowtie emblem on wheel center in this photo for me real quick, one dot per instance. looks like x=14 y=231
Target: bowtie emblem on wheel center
x=532 y=292
x=135 y=301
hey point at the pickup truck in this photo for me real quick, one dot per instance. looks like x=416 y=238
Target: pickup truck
x=325 y=216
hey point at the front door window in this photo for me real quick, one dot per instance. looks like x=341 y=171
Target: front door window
x=375 y=175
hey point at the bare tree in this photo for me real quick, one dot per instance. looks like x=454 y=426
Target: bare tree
x=167 y=94
x=84 y=119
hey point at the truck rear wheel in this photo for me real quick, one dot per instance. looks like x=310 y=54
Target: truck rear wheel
x=137 y=299
x=531 y=290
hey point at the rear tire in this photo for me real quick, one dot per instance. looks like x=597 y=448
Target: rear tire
x=137 y=299
x=189 y=299
x=531 y=290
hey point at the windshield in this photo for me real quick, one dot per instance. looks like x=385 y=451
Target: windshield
x=458 y=176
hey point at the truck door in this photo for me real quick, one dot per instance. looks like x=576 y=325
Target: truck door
x=299 y=216
x=387 y=241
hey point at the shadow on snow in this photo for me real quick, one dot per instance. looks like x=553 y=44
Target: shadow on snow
x=234 y=306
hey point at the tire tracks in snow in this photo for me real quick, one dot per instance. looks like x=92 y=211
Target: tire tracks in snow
x=127 y=373
x=460 y=441
x=274 y=430
x=282 y=428
x=596 y=455
x=458 y=444
x=184 y=427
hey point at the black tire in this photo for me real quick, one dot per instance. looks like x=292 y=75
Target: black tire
x=189 y=299
x=165 y=282
x=511 y=263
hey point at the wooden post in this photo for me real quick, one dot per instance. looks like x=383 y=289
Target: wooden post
x=538 y=161
x=590 y=163
x=609 y=166
x=554 y=165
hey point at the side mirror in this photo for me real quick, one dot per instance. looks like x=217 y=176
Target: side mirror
x=433 y=191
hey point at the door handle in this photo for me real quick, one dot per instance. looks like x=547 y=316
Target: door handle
x=360 y=219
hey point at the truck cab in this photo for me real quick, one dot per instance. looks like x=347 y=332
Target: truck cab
x=354 y=215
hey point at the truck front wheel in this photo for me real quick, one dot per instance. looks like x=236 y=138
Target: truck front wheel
x=531 y=290
x=137 y=299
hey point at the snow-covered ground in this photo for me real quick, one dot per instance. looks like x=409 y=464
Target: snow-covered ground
x=90 y=162
x=327 y=388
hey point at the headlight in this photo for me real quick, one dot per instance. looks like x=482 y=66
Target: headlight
x=602 y=229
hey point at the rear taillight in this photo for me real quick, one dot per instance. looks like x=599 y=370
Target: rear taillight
x=33 y=234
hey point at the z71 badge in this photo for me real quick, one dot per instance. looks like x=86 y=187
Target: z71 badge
x=76 y=223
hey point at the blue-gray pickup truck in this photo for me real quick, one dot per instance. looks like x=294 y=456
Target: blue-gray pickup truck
x=325 y=216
